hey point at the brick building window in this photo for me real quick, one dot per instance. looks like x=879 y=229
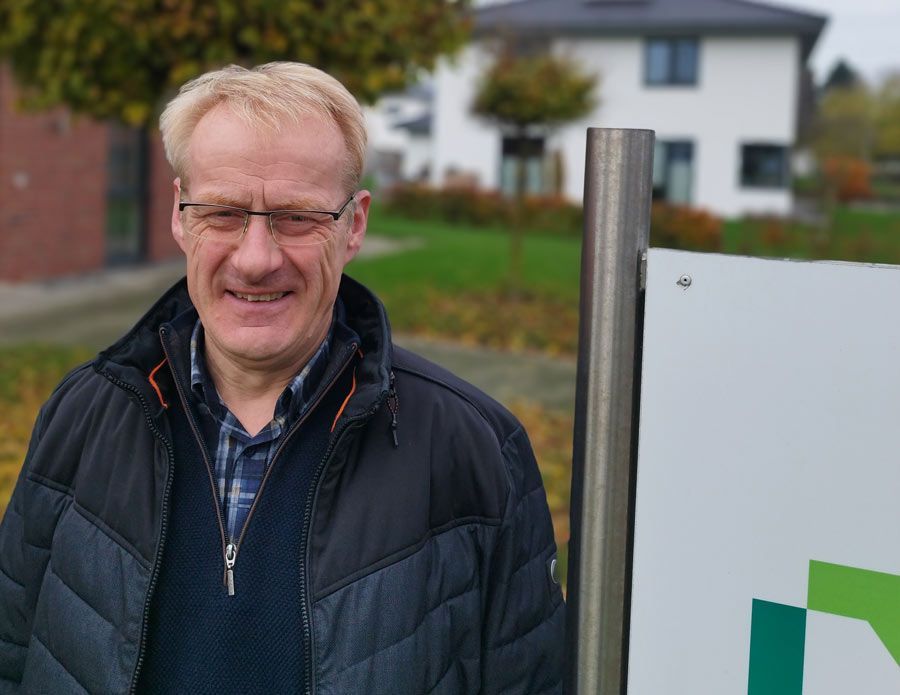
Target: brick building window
x=126 y=195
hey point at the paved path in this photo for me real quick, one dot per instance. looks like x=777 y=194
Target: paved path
x=96 y=309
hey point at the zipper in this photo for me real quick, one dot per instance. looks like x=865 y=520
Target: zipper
x=394 y=406
x=162 y=526
x=212 y=482
x=230 y=548
x=305 y=605
x=229 y=568
x=230 y=556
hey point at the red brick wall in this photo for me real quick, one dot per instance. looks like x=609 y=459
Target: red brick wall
x=53 y=188
x=52 y=191
x=160 y=244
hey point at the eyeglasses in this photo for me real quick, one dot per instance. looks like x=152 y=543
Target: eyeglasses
x=288 y=227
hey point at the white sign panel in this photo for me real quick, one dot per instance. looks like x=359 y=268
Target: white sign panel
x=767 y=530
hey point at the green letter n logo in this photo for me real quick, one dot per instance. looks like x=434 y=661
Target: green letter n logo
x=778 y=632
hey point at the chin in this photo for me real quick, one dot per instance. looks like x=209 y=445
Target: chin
x=266 y=343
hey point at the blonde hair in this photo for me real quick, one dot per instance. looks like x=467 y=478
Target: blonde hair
x=266 y=96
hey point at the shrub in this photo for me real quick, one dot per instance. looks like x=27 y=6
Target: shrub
x=847 y=178
x=682 y=227
x=672 y=226
x=462 y=204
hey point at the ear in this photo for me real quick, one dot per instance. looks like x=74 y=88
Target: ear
x=177 y=231
x=358 y=226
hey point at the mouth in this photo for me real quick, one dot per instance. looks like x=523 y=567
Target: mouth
x=248 y=297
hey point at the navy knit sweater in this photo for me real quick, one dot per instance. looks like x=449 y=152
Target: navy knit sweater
x=200 y=640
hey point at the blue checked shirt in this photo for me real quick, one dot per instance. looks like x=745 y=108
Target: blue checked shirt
x=241 y=460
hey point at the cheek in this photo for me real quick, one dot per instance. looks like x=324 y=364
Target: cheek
x=319 y=267
x=202 y=261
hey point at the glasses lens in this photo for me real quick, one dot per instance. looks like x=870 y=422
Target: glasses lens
x=302 y=228
x=214 y=222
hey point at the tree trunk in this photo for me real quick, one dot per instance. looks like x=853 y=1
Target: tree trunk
x=516 y=241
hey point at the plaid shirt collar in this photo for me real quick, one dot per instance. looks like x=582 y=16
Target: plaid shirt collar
x=292 y=400
x=239 y=460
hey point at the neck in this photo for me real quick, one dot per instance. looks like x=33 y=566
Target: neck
x=250 y=389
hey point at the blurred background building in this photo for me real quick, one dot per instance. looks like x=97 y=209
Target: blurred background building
x=721 y=82
x=78 y=195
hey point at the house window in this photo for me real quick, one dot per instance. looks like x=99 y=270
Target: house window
x=764 y=166
x=673 y=171
x=516 y=149
x=125 y=194
x=671 y=61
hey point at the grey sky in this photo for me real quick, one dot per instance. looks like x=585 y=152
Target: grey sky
x=865 y=32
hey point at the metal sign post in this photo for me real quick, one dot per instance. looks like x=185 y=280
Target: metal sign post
x=617 y=195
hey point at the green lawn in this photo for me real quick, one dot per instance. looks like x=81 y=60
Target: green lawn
x=455 y=285
x=466 y=259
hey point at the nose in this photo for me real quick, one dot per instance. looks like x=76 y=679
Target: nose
x=256 y=255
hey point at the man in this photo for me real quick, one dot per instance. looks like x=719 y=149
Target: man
x=254 y=490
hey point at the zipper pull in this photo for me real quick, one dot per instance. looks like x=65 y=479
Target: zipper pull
x=394 y=406
x=230 y=556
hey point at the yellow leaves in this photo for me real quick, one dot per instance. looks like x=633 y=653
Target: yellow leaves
x=550 y=433
x=132 y=53
x=27 y=376
x=494 y=319
x=136 y=113
x=540 y=89
x=182 y=72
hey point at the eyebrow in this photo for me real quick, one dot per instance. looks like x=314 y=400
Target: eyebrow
x=217 y=199
x=303 y=204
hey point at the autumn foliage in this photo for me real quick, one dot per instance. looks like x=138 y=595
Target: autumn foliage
x=476 y=207
x=115 y=59
x=27 y=376
x=534 y=90
x=683 y=227
x=847 y=178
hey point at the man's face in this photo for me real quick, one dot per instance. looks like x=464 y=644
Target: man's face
x=295 y=286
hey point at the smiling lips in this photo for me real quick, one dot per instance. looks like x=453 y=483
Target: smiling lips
x=259 y=297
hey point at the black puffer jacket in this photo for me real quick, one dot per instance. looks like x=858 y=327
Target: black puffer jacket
x=84 y=532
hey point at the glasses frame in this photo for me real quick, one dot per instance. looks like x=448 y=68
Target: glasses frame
x=335 y=214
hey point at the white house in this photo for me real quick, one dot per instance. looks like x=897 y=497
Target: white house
x=718 y=80
x=399 y=128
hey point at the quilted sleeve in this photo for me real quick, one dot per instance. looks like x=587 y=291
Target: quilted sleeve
x=21 y=567
x=523 y=644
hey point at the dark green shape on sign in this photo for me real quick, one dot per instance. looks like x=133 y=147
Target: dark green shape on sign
x=777 y=643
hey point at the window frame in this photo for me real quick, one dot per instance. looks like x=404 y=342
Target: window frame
x=784 y=182
x=663 y=192
x=672 y=78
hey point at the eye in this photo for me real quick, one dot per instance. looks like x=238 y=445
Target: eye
x=224 y=214
x=297 y=218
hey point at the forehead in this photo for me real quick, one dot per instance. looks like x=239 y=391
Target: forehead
x=305 y=159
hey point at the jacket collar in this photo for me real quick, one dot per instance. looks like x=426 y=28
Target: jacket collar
x=138 y=358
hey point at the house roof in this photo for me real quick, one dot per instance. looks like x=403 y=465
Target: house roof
x=648 y=17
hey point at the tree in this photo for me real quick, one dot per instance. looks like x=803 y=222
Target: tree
x=120 y=58
x=842 y=76
x=528 y=94
x=887 y=119
x=845 y=123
